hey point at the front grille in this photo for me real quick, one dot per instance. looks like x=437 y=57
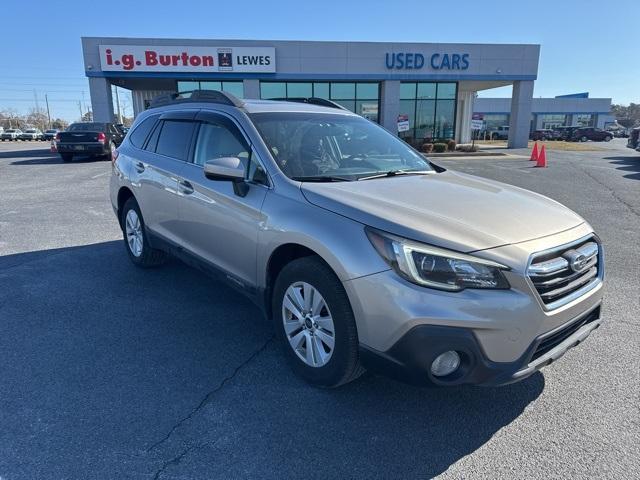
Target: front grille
x=548 y=343
x=562 y=274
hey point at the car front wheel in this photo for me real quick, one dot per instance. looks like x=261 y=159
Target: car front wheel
x=314 y=320
x=607 y=139
x=135 y=237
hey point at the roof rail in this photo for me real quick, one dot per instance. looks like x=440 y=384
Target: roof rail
x=192 y=96
x=323 y=102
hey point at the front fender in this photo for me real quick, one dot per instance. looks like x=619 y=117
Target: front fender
x=339 y=241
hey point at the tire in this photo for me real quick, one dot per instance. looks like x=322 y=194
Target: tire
x=145 y=256
x=607 y=139
x=112 y=147
x=340 y=364
x=583 y=139
x=66 y=157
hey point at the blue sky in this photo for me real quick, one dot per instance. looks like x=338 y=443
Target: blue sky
x=586 y=45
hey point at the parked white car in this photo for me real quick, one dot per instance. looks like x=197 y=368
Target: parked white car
x=11 y=134
x=31 y=134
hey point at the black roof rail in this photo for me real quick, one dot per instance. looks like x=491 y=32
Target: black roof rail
x=323 y=102
x=212 y=96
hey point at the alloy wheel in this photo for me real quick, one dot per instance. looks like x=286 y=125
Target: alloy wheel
x=133 y=229
x=308 y=324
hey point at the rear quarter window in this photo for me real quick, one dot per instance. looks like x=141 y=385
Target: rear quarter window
x=141 y=132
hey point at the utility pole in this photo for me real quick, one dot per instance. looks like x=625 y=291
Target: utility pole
x=80 y=108
x=35 y=96
x=118 y=105
x=46 y=99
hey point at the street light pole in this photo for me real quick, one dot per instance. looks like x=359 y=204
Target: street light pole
x=46 y=99
x=118 y=105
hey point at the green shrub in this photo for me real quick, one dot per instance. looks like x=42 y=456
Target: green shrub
x=439 y=147
x=467 y=147
x=426 y=148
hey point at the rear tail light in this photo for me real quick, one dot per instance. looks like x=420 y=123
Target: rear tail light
x=57 y=137
x=114 y=156
x=101 y=137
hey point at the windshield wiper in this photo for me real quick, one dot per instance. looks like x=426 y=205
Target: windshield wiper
x=393 y=173
x=321 y=178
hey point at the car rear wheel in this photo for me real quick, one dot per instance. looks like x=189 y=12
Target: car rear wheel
x=313 y=318
x=607 y=138
x=135 y=237
x=583 y=138
x=112 y=147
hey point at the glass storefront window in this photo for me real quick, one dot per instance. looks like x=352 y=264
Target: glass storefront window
x=234 y=88
x=211 y=85
x=348 y=104
x=321 y=90
x=431 y=107
x=367 y=90
x=358 y=97
x=368 y=109
x=445 y=118
x=447 y=90
x=425 y=111
x=188 y=86
x=343 y=91
x=548 y=121
x=270 y=90
x=427 y=90
x=585 y=120
x=493 y=121
x=303 y=90
x=407 y=91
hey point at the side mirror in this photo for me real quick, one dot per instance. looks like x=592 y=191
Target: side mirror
x=229 y=169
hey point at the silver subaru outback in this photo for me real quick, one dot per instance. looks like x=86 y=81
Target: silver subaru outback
x=364 y=254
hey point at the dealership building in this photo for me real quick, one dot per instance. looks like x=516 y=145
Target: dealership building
x=547 y=113
x=416 y=90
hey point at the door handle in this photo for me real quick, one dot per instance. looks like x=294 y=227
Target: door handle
x=185 y=187
x=139 y=166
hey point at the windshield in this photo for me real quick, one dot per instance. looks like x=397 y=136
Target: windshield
x=86 y=127
x=317 y=146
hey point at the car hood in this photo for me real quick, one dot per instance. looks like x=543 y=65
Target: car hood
x=449 y=209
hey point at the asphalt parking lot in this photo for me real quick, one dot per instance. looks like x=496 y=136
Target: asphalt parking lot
x=108 y=371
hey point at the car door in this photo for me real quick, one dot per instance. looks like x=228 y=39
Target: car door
x=156 y=169
x=217 y=224
x=115 y=134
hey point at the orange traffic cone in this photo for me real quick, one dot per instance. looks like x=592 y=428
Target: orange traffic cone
x=53 y=146
x=534 y=152
x=542 y=158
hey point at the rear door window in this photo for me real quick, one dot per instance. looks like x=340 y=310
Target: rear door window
x=175 y=138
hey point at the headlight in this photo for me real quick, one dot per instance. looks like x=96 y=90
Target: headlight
x=435 y=267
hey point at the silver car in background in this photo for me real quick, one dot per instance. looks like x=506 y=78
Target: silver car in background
x=362 y=253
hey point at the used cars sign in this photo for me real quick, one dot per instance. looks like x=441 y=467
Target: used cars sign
x=156 y=58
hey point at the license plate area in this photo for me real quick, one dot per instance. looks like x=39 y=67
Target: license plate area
x=78 y=147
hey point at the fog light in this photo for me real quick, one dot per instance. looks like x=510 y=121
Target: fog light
x=445 y=364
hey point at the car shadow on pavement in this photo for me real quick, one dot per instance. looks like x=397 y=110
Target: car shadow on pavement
x=131 y=365
x=627 y=164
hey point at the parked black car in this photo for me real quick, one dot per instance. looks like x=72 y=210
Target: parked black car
x=91 y=138
x=545 y=134
x=566 y=133
x=591 y=133
x=50 y=134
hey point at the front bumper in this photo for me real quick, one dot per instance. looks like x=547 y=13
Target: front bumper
x=411 y=357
